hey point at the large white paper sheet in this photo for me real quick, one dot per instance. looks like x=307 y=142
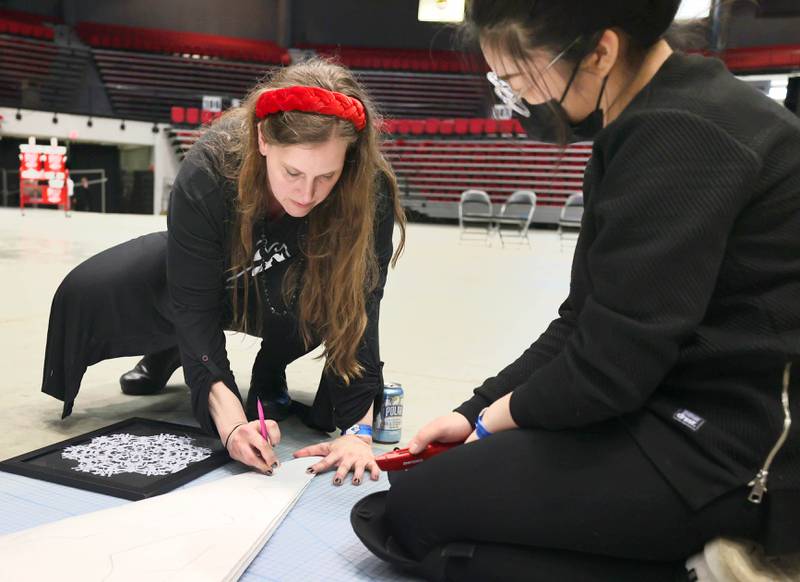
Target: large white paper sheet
x=210 y=532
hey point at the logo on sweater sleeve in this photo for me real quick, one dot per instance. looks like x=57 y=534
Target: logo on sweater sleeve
x=689 y=419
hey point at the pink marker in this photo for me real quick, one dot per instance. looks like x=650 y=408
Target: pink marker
x=261 y=420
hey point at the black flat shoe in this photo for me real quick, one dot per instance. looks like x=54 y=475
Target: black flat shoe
x=150 y=375
x=274 y=395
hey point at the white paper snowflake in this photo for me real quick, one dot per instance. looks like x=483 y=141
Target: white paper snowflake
x=161 y=454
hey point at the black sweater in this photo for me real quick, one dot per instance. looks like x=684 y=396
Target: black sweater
x=684 y=304
x=200 y=223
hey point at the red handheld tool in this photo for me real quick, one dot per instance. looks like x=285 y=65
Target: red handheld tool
x=400 y=459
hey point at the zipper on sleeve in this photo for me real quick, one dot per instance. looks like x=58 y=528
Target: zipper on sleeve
x=758 y=486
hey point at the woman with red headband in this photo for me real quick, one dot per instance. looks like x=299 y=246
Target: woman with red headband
x=280 y=225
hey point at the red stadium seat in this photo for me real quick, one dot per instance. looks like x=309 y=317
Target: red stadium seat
x=192 y=115
x=476 y=126
x=461 y=126
x=490 y=127
x=432 y=126
x=177 y=42
x=206 y=116
x=403 y=127
x=177 y=115
x=417 y=127
x=447 y=126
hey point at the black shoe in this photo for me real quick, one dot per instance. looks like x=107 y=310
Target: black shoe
x=273 y=392
x=150 y=375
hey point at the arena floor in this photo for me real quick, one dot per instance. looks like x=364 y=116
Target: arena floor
x=453 y=314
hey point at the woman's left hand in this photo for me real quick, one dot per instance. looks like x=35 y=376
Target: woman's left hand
x=496 y=418
x=347 y=453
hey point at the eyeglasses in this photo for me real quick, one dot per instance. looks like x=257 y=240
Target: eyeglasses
x=513 y=99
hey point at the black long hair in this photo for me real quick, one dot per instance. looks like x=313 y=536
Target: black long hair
x=515 y=28
x=555 y=24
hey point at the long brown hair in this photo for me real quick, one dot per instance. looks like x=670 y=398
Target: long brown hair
x=341 y=264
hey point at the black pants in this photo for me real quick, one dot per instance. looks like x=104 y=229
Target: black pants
x=557 y=506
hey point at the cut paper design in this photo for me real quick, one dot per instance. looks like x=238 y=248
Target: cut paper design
x=133 y=459
x=205 y=533
x=162 y=454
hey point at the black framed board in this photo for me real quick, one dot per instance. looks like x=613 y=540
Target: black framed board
x=133 y=459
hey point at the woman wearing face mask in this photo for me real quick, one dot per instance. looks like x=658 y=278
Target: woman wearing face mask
x=280 y=225
x=655 y=414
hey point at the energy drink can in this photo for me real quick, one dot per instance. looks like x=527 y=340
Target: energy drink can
x=389 y=420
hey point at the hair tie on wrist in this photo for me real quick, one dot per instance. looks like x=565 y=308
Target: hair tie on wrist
x=228 y=438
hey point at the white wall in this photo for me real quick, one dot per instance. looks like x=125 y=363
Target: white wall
x=105 y=131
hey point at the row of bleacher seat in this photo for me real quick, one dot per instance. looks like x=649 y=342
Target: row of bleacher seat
x=145 y=86
x=471 y=127
x=434 y=61
x=192 y=115
x=40 y=74
x=415 y=83
x=23 y=24
x=465 y=127
x=173 y=42
x=414 y=94
x=434 y=172
x=474 y=127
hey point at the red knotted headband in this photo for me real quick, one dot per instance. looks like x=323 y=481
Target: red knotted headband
x=312 y=100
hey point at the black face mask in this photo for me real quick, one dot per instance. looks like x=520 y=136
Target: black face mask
x=548 y=121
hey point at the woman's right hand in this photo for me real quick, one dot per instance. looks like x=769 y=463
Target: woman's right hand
x=450 y=428
x=243 y=439
x=247 y=446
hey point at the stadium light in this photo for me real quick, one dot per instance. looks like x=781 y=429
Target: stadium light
x=691 y=9
x=441 y=11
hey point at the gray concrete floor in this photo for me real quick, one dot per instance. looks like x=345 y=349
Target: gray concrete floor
x=453 y=314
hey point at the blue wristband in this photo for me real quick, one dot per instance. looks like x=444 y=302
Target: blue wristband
x=480 y=429
x=358 y=430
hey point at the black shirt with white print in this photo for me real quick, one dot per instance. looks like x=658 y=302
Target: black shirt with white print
x=201 y=221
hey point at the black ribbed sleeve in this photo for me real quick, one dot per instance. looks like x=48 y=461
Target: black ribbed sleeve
x=196 y=259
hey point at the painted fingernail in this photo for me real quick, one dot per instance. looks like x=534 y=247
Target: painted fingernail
x=337 y=481
x=274 y=465
x=310 y=470
x=356 y=481
x=269 y=472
